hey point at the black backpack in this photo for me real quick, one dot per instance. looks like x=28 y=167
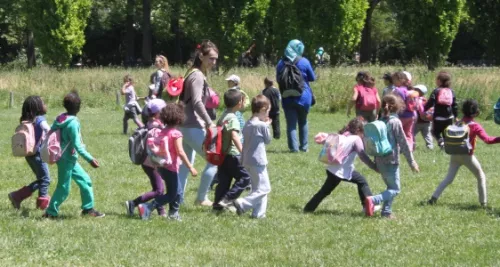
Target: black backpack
x=290 y=80
x=137 y=148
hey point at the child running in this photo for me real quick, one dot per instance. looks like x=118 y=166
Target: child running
x=33 y=111
x=168 y=147
x=274 y=96
x=345 y=171
x=402 y=81
x=423 y=123
x=445 y=106
x=155 y=126
x=388 y=166
x=254 y=158
x=365 y=97
x=132 y=107
x=470 y=109
x=68 y=167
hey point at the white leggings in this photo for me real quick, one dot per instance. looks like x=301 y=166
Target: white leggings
x=473 y=165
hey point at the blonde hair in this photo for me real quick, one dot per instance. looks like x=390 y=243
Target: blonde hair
x=163 y=62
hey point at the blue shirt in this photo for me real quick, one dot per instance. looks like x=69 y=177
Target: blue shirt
x=307 y=71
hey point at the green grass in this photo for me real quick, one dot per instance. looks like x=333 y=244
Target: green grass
x=455 y=232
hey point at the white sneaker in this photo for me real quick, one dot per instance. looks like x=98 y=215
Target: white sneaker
x=225 y=203
x=375 y=208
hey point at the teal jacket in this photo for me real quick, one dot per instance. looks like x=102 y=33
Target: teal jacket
x=70 y=133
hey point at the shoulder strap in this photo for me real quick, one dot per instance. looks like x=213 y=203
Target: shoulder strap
x=297 y=59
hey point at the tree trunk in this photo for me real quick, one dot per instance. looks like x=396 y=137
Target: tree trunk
x=175 y=28
x=30 y=49
x=146 y=33
x=365 y=53
x=130 y=35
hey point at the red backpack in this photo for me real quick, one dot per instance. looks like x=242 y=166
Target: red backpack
x=367 y=98
x=445 y=97
x=213 y=145
x=175 y=86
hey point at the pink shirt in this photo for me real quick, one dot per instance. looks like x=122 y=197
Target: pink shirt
x=477 y=130
x=168 y=136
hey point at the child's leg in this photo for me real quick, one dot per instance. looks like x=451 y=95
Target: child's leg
x=82 y=179
x=408 y=124
x=125 y=122
x=363 y=187
x=276 y=126
x=238 y=172
x=136 y=118
x=330 y=184
x=173 y=189
x=390 y=175
x=455 y=163
x=260 y=189
x=64 y=173
x=225 y=178
x=475 y=167
x=156 y=184
x=41 y=170
x=426 y=134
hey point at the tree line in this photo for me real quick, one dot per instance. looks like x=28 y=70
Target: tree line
x=131 y=32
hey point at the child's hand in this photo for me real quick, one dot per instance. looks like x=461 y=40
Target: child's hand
x=193 y=172
x=269 y=121
x=94 y=163
x=414 y=167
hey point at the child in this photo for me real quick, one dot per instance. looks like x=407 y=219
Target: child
x=388 y=166
x=423 y=123
x=68 y=167
x=231 y=147
x=345 y=171
x=470 y=108
x=445 y=106
x=365 y=97
x=154 y=125
x=168 y=146
x=403 y=88
x=131 y=106
x=254 y=158
x=233 y=83
x=274 y=97
x=389 y=86
x=33 y=111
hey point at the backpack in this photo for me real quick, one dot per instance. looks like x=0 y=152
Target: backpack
x=456 y=139
x=175 y=86
x=445 y=97
x=496 y=112
x=334 y=149
x=376 y=139
x=158 y=150
x=213 y=99
x=137 y=149
x=367 y=98
x=290 y=80
x=50 y=150
x=23 y=140
x=213 y=145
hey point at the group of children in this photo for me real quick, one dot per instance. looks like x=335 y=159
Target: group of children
x=403 y=108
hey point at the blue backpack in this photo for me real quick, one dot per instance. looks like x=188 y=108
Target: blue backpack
x=376 y=139
x=496 y=112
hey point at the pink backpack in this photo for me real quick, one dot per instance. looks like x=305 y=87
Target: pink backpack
x=23 y=140
x=445 y=97
x=367 y=98
x=51 y=151
x=213 y=99
x=334 y=149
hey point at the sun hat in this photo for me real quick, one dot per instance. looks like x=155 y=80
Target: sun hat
x=422 y=88
x=234 y=78
x=408 y=75
x=156 y=105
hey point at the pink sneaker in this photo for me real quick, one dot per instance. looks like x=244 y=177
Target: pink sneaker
x=369 y=207
x=42 y=202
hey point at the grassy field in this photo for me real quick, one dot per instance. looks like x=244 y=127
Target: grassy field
x=455 y=232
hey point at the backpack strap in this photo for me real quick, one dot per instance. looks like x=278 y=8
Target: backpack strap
x=188 y=73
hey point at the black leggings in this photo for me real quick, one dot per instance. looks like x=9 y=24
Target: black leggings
x=438 y=128
x=332 y=181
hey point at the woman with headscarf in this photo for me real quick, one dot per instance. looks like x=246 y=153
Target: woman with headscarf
x=296 y=108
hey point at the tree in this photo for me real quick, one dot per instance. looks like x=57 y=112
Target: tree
x=58 y=26
x=365 y=51
x=485 y=16
x=431 y=26
x=130 y=33
x=146 y=32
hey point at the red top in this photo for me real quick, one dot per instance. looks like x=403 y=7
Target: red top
x=477 y=130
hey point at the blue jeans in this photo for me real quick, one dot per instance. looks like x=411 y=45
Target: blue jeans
x=173 y=194
x=390 y=175
x=41 y=170
x=295 y=113
x=192 y=143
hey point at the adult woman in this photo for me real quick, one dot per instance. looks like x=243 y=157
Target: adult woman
x=296 y=108
x=156 y=87
x=197 y=118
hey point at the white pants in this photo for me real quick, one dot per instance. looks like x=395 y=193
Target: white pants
x=261 y=187
x=425 y=128
x=473 y=165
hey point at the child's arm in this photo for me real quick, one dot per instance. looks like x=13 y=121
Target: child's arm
x=481 y=133
x=182 y=155
x=352 y=102
x=76 y=142
x=379 y=102
x=235 y=137
x=360 y=149
x=124 y=88
x=400 y=137
x=266 y=133
x=454 y=106
x=431 y=101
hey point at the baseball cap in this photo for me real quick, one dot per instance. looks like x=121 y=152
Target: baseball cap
x=422 y=88
x=156 y=105
x=234 y=78
x=408 y=75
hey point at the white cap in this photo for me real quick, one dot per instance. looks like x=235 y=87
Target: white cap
x=408 y=75
x=234 y=78
x=422 y=88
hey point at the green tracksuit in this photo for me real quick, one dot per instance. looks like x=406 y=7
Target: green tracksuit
x=68 y=167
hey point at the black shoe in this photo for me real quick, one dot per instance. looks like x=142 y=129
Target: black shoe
x=129 y=205
x=92 y=213
x=432 y=201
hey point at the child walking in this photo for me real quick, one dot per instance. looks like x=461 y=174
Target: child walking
x=402 y=81
x=470 y=109
x=389 y=86
x=445 y=106
x=231 y=167
x=423 y=124
x=167 y=147
x=154 y=125
x=68 y=167
x=254 y=158
x=33 y=111
x=345 y=172
x=132 y=107
x=274 y=97
x=388 y=166
x=365 y=97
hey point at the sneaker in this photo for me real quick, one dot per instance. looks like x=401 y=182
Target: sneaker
x=145 y=210
x=129 y=204
x=204 y=203
x=432 y=201
x=237 y=205
x=225 y=203
x=369 y=207
x=174 y=216
x=92 y=213
x=375 y=208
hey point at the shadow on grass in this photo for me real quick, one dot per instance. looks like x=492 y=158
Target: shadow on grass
x=280 y=151
x=465 y=207
x=323 y=212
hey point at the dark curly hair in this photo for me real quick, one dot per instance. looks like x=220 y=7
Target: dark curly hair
x=32 y=107
x=173 y=114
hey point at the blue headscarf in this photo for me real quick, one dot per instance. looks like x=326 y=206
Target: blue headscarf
x=294 y=49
